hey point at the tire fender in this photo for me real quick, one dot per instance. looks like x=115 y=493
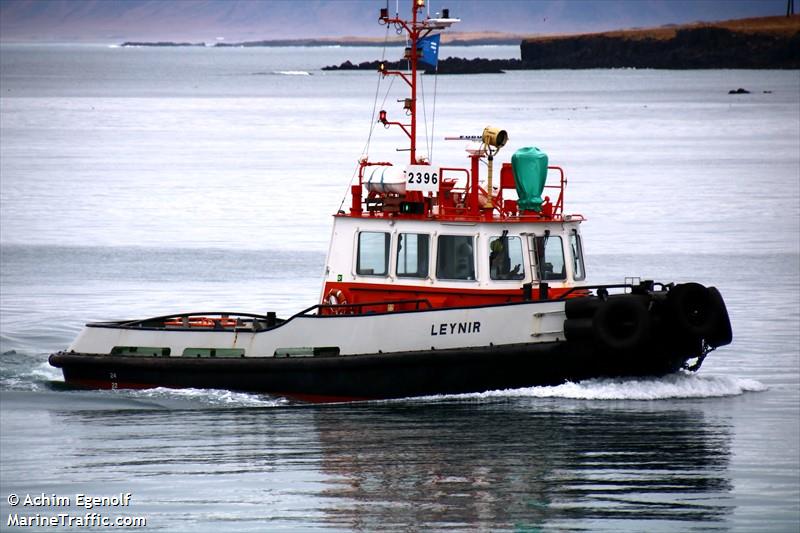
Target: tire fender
x=622 y=324
x=693 y=309
x=584 y=307
x=578 y=329
x=722 y=333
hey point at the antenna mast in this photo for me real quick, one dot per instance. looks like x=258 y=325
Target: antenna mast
x=416 y=30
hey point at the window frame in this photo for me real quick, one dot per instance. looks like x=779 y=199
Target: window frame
x=540 y=257
x=474 y=240
x=386 y=254
x=400 y=244
x=520 y=275
x=576 y=238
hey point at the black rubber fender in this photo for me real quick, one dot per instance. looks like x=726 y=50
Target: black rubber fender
x=693 y=310
x=722 y=333
x=584 y=307
x=576 y=329
x=623 y=323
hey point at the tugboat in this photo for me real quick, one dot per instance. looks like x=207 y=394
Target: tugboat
x=436 y=282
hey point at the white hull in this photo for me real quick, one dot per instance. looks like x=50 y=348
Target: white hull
x=437 y=329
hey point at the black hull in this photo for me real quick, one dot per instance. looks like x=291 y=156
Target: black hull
x=371 y=376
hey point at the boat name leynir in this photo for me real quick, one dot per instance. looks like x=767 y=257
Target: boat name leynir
x=450 y=329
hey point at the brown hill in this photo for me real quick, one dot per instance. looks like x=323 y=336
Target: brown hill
x=766 y=42
x=777 y=26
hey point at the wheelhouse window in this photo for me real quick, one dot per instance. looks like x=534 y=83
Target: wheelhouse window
x=550 y=258
x=505 y=258
x=413 y=255
x=455 y=258
x=373 y=253
x=579 y=271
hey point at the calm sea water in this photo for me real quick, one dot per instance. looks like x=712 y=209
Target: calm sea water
x=138 y=182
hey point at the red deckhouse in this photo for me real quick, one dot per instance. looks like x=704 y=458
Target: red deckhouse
x=415 y=201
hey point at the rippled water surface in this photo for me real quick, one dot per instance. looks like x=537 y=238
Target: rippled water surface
x=140 y=182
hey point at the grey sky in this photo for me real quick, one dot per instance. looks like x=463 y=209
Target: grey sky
x=207 y=20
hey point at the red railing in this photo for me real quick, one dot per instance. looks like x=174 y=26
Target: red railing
x=468 y=202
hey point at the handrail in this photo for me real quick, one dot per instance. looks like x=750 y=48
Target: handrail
x=558 y=207
x=643 y=285
x=360 y=306
x=220 y=314
x=471 y=209
x=556 y=211
x=440 y=193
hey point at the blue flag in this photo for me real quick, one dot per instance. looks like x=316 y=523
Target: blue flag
x=429 y=50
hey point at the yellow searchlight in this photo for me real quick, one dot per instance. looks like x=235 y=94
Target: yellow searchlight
x=497 y=138
x=494 y=137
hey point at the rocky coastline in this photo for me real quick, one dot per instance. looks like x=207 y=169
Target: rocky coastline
x=696 y=48
x=135 y=44
x=451 y=65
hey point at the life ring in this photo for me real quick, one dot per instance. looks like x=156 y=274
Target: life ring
x=336 y=297
x=335 y=300
x=693 y=310
x=622 y=324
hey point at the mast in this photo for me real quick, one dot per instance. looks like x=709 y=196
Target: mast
x=414 y=36
x=416 y=29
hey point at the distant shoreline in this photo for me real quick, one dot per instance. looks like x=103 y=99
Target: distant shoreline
x=777 y=27
x=319 y=43
x=165 y=44
x=758 y=43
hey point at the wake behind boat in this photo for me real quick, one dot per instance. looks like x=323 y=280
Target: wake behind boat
x=436 y=282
